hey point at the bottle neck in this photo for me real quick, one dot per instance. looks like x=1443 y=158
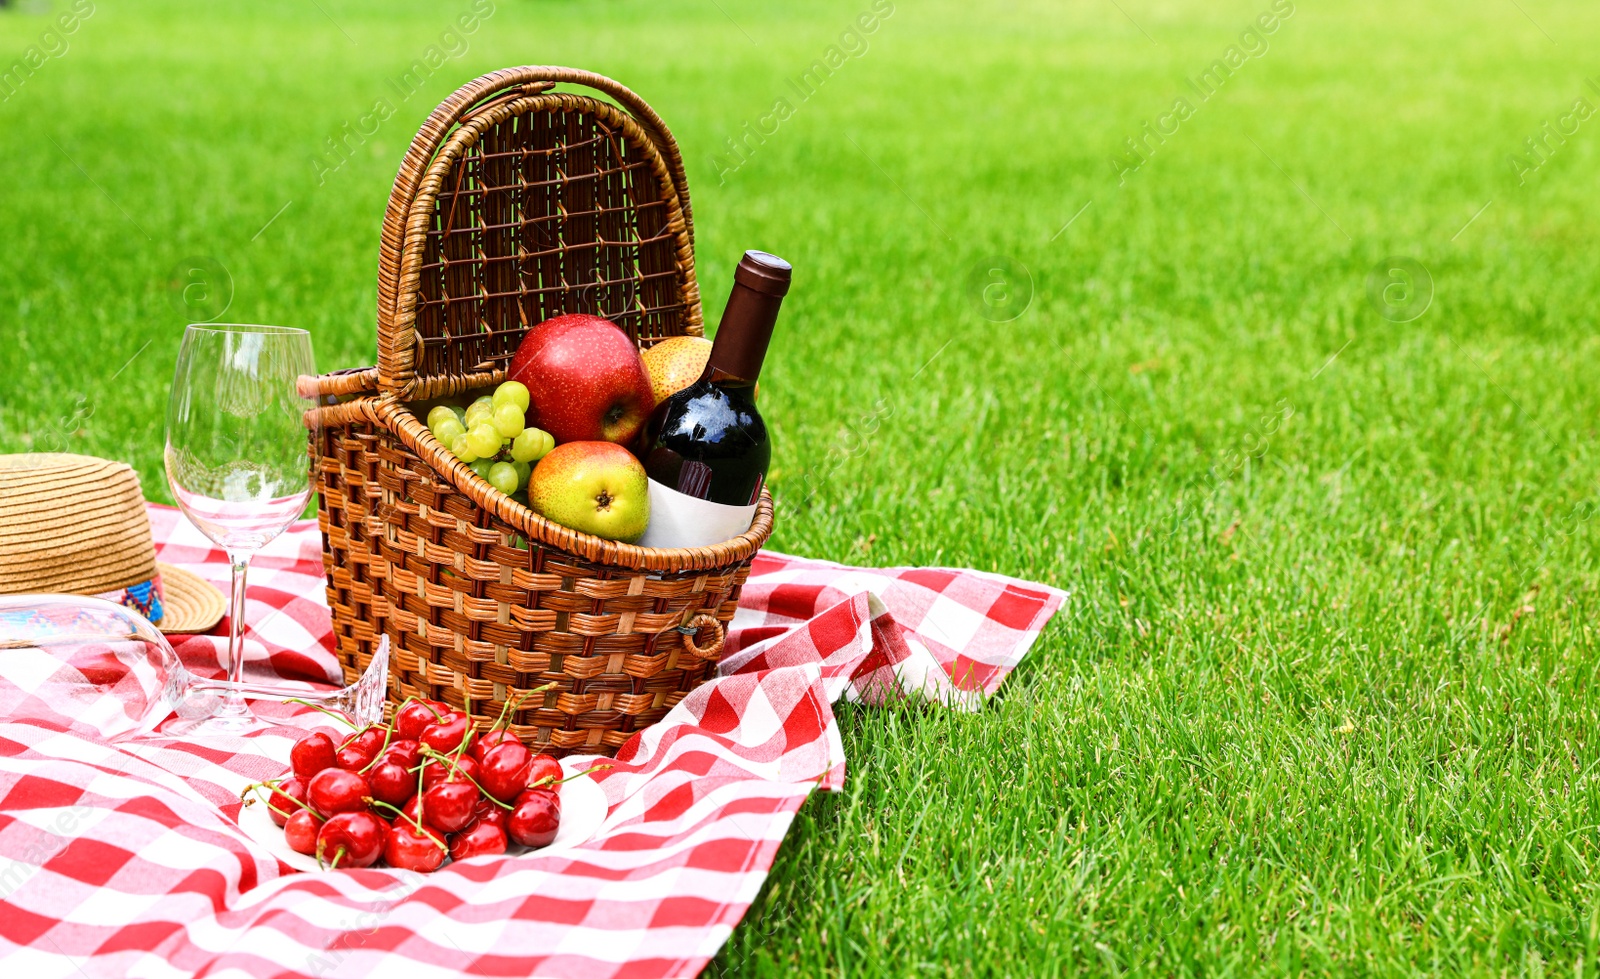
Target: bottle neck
x=759 y=285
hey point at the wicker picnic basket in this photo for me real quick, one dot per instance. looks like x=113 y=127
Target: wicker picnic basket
x=516 y=202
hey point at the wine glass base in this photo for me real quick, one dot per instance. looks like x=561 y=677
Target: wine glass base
x=219 y=725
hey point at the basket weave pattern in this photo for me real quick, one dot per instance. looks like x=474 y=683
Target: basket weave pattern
x=516 y=203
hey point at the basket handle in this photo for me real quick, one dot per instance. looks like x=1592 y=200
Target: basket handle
x=473 y=97
x=691 y=634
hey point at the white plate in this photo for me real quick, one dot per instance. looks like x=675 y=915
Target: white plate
x=583 y=809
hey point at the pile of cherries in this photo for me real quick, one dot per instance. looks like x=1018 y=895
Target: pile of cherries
x=414 y=792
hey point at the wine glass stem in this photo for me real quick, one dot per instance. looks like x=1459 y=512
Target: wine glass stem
x=233 y=700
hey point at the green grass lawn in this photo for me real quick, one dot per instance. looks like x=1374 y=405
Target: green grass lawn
x=1324 y=698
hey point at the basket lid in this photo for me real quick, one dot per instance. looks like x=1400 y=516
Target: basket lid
x=517 y=202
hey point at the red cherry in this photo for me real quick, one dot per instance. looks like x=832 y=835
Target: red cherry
x=405 y=752
x=488 y=812
x=544 y=767
x=464 y=769
x=505 y=769
x=391 y=783
x=410 y=811
x=369 y=741
x=335 y=791
x=410 y=848
x=284 y=799
x=447 y=735
x=359 y=750
x=353 y=758
x=449 y=805
x=414 y=716
x=301 y=832
x=536 y=819
x=536 y=792
x=491 y=740
x=311 y=754
x=478 y=839
x=352 y=839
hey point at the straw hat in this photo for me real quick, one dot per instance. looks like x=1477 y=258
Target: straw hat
x=77 y=524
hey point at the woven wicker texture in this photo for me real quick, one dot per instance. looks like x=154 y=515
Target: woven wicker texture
x=534 y=204
x=514 y=204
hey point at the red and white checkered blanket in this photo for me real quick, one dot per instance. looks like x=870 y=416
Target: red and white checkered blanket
x=128 y=860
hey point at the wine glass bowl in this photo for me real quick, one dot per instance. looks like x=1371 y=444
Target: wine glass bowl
x=236 y=516
x=236 y=452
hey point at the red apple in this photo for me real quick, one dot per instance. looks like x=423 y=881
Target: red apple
x=586 y=381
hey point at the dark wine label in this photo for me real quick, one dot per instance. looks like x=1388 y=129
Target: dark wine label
x=755 y=494
x=694 y=479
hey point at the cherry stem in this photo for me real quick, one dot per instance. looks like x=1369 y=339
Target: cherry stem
x=271 y=785
x=517 y=701
x=388 y=732
x=350 y=738
x=454 y=771
x=454 y=757
x=421 y=829
x=369 y=800
x=552 y=782
x=331 y=713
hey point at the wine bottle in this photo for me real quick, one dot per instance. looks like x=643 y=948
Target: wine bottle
x=706 y=446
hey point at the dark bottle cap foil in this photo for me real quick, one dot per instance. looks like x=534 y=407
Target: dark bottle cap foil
x=764 y=272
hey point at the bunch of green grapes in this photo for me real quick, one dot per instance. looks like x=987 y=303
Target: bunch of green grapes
x=492 y=436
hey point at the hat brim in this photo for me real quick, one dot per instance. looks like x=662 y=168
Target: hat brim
x=189 y=603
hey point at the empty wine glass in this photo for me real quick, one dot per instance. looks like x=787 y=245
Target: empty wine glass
x=238 y=463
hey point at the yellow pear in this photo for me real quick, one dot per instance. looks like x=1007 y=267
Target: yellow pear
x=675 y=363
